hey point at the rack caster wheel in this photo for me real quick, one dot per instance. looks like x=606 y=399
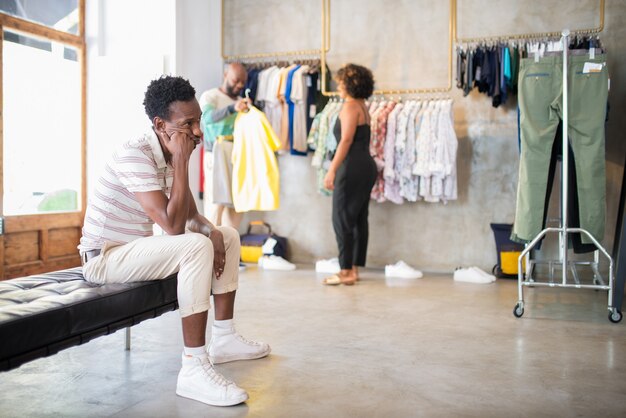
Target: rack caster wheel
x=518 y=311
x=615 y=316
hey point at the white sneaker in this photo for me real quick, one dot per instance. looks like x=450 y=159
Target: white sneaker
x=274 y=262
x=227 y=345
x=402 y=270
x=198 y=380
x=470 y=275
x=330 y=266
x=483 y=273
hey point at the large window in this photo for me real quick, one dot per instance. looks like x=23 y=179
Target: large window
x=61 y=15
x=42 y=134
x=42 y=121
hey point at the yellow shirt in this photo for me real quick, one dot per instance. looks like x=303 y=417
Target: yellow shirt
x=256 y=180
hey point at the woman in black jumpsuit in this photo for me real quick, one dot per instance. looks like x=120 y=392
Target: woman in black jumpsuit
x=352 y=173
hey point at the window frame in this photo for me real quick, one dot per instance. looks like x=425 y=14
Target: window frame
x=43 y=223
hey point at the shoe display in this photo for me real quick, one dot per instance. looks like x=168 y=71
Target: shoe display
x=274 y=262
x=198 y=380
x=473 y=275
x=227 y=345
x=402 y=270
x=330 y=266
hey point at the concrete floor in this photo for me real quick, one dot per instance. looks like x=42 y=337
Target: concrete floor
x=382 y=348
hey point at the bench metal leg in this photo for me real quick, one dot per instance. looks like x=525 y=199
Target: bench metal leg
x=127 y=338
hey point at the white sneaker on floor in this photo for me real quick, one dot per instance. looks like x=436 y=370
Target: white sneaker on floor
x=227 y=345
x=483 y=273
x=330 y=266
x=274 y=262
x=198 y=380
x=402 y=270
x=470 y=275
x=242 y=266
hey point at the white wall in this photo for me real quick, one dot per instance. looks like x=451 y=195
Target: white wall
x=128 y=44
x=198 y=26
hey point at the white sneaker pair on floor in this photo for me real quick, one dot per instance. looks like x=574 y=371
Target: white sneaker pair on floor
x=473 y=275
x=402 y=270
x=330 y=266
x=274 y=262
x=198 y=379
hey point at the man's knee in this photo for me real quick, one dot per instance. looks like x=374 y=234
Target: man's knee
x=231 y=235
x=200 y=242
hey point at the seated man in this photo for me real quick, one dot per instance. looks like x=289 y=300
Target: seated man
x=146 y=181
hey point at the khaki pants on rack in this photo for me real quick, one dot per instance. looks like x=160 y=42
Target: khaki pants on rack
x=540 y=103
x=153 y=258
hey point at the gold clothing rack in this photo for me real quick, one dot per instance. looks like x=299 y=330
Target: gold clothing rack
x=247 y=57
x=301 y=52
x=591 y=31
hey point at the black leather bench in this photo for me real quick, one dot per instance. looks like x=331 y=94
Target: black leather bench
x=43 y=314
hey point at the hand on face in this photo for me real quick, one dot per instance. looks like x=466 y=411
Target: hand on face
x=181 y=132
x=180 y=142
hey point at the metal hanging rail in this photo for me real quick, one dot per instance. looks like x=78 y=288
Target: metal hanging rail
x=591 y=31
x=326 y=46
x=564 y=230
x=243 y=57
x=246 y=57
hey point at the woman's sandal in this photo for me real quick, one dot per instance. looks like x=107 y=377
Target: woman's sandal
x=335 y=280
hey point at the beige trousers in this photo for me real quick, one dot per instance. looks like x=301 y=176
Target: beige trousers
x=151 y=258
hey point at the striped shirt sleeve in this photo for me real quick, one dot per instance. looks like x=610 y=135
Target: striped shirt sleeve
x=136 y=170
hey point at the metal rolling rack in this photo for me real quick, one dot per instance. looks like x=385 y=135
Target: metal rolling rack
x=554 y=264
x=563 y=230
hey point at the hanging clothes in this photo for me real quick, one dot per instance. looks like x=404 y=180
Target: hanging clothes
x=377 y=148
x=413 y=145
x=269 y=96
x=290 y=96
x=494 y=69
x=320 y=140
x=296 y=96
x=256 y=183
x=409 y=182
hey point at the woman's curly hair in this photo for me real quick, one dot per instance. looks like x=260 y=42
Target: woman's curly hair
x=358 y=80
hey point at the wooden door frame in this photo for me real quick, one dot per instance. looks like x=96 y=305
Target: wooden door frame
x=45 y=221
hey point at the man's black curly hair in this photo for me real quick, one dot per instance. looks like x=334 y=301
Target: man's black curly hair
x=358 y=80
x=164 y=91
